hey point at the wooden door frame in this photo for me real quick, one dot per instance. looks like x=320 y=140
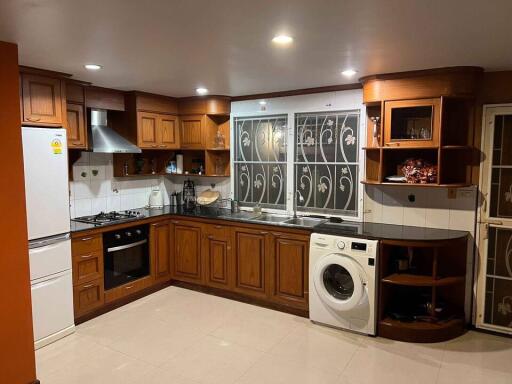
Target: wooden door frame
x=483 y=220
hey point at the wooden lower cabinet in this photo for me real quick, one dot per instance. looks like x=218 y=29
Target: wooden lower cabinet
x=217 y=256
x=290 y=270
x=87 y=267
x=127 y=289
x=160 y=238
x=251 y=261
x=88 y=297
x=186 y=248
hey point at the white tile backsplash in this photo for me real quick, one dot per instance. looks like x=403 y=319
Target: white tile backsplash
x=94 y=188
x=431 y=208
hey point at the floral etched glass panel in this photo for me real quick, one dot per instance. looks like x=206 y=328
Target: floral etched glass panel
x=260 y=161
x=326 y=162
x=501 y=180
x=498 y=296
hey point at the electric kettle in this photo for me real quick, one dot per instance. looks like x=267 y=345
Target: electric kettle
x=156 y=199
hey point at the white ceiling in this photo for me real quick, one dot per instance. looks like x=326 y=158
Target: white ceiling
x=171 y=47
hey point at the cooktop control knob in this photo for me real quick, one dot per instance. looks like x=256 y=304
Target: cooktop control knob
x=129 y=234
x=117 y=236
x=341 y=244
x=138 y=231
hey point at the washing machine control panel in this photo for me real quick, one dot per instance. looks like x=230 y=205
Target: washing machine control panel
x=341 y=245
x=356 y=246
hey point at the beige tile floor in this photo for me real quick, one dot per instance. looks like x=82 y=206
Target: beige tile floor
x=177 y=336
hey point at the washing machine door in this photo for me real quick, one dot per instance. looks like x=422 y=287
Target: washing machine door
x=338 y=282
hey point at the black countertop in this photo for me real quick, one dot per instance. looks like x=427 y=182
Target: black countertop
x=365 y=230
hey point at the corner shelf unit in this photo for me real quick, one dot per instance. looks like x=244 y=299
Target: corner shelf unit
x=427 y=115
x=425 y=302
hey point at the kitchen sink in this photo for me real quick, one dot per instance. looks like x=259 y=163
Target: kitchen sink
x=304 y=221
x=270 y=218
x=244 y=215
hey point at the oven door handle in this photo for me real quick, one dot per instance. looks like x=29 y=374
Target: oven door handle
x=121 y=247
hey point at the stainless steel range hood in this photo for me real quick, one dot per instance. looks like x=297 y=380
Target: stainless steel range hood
x=105 y=139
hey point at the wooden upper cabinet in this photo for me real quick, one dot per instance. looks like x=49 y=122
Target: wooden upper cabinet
x=192 y=128
x=412 y=123
x=169 y=137
x=205 y=105
x=251 y=249
x=76 y=128
x=147 y=130
x=290 y=270
x=42 y=100
x=186 y=237
x=160 y=237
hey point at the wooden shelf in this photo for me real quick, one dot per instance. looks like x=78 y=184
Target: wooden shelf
x=218 y=149
x=192 y=175
x=421 y=331
x=421 y=280
x=457 y=147
x=431 y=185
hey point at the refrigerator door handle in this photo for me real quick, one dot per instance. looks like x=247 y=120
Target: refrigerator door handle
x=48 y=241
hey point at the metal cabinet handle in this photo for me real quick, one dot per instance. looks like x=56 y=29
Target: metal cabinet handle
x=263 y=233
x=163 y=146
x=129 y=287
x=390 y=144
x=88 y=286
x=86 y=256
x=219 y=226
x=127 y=246
x=86 y=238
x=210 y=237
x=33 y=119
x=175 y=221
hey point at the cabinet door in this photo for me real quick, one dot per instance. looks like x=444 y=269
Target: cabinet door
x=169 y=135
x=147 y=130
x=87 y=267
x=87 y=297
x=42 y=100
x=289 y=270
x=217 y=256
x=187 y=251
x=77 y=134
x=251 y=260
x=160 y=236
x=191 y=132
x=412 y=123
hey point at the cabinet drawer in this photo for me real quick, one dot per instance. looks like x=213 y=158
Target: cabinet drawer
x=87 y=267
x=86 y=245
x=217 y=231
x=127 y=289
x=87 y=297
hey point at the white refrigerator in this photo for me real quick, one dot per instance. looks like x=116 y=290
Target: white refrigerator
x=47 y=199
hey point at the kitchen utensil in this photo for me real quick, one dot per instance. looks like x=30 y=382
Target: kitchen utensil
x=235 y=206
x=156 y=198
x=208 y=197
x=179 y=164
x=189 y=195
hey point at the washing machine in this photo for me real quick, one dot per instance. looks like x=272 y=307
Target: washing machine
x=342 y=281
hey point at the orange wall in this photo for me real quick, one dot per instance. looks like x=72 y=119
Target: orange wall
x=17 y=362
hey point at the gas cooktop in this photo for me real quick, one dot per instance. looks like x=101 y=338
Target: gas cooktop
x=103 y=218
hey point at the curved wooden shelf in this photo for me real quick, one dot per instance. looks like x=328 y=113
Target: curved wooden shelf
x=432 y=185
x=405 y=279
x=421 y=331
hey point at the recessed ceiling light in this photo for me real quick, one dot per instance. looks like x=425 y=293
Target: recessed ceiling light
x=263 y=102
x=93 y=67
x=349 y=72
x=201 y=91
x=282 y=39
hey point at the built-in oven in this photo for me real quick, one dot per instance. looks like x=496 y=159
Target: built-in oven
x=126 y=255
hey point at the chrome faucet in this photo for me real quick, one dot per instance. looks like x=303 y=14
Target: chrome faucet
x=301 y=199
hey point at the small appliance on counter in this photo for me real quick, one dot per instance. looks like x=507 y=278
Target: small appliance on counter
x=156 y=198
x=189 y=195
